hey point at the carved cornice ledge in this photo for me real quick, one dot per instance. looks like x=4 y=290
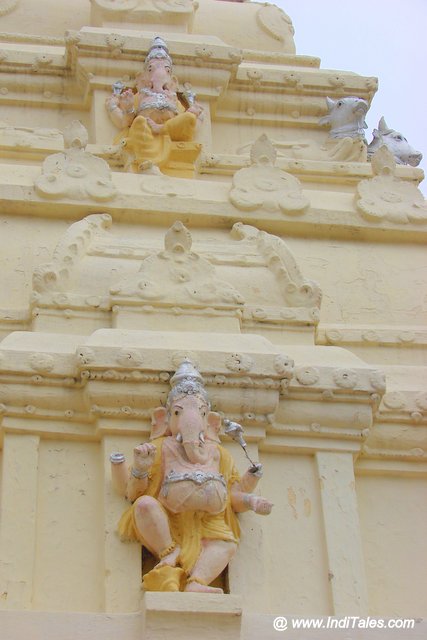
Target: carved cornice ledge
x=65 y=386
x=372 y=335
x=166 y=199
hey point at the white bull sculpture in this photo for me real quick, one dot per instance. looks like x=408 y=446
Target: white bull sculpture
x=398 y=145
x=346 y=117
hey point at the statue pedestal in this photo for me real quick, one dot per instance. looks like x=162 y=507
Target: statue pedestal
x=186 y=615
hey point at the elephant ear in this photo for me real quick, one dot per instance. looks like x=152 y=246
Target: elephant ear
x=214 y=425
x=159 y=423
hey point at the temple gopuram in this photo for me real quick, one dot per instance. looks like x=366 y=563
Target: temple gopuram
x=212 y=276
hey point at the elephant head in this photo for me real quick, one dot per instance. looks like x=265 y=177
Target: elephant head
x=187 y=415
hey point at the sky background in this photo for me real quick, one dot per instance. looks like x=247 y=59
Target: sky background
x=382 y=38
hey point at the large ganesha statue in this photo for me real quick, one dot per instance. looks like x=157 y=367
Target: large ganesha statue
x=185 y=492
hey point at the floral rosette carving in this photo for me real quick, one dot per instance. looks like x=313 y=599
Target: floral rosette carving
x=386 y=197
x=333 y=336
x=345 y=378
x=42 y=362
x=239 y=362
x=284 y=365
x=394 y=400
x=307 y=375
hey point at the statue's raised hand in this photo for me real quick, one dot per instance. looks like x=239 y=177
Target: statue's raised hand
x=143 y=456
x=126 y=101
x=260 y=505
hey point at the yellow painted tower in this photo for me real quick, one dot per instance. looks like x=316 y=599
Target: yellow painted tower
x=231 y=216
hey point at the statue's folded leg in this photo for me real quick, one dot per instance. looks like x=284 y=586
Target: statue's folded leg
x=152 y=527
x=181 y=128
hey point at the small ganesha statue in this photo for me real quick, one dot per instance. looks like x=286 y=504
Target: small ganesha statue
x=157 y=114
x=185 y=491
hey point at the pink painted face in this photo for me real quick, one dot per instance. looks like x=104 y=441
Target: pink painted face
x=157 y=76
x=188 y=414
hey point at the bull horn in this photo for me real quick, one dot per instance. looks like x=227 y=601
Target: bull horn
x=330 y=102
x=382 y=126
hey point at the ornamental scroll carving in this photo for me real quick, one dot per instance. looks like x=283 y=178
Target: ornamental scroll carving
x=297 y=291
x=55 y=276
x=264 y=186
x=386 y=197
x=178 y=276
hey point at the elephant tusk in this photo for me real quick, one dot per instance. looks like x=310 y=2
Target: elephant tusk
x=179 y=437
x=202 y=437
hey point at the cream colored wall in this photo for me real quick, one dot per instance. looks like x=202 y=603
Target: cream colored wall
x=392 y=513
x=80 y=368
x=364 y=283
x=69 y=538
x=298 y=569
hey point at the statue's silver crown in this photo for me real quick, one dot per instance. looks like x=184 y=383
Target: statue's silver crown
x=158 y=49
x=186 y=381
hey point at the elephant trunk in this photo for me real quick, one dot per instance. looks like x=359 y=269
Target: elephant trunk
x=193 y=439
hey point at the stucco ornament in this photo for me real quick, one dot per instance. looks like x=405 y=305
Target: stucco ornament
x=239 y=362
x=186 y=491
x=52 y=279
x=178 y=276
x=345 y=378
x=155 y=115
x=402 y=151
x=75 y=173
x=307 y=375
x=264 y=186
x=385 y=197
x=42 y=362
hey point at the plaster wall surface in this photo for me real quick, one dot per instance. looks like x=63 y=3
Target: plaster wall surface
x=304 y=311
x=392 y=511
